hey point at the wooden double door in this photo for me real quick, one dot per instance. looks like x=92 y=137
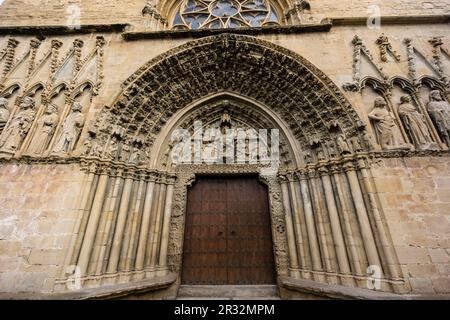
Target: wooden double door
x=228 y=239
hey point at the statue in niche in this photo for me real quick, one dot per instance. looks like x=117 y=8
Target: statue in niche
x=368 y=140
x=385 y=126
x=19 y=126
x=342 y=144
x=136 y=154
x=332 y=150
x=45 y=128
x=70 y=130
x=112 y=151
x=308 y=158
x=439 y=111
x=356 y=144
x=415 y=123
x=4 y=113
x=91 y=146
x=125 y=152
x=320 y=154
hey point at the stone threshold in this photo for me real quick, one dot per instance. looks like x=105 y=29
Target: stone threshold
x=101 y=293
x=228 y=292
x=338 y=292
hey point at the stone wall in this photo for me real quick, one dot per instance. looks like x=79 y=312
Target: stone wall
x=36 y=223
x=51 y=12
x=415 y=194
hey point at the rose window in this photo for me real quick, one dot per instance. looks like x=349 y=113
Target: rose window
x=217 y=14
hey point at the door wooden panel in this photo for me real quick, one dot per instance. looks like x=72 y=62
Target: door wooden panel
x=228 y=235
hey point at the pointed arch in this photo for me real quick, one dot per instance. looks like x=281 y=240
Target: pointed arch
x=294 y=89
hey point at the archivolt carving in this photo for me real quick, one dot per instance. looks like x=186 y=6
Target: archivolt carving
x=293 y=88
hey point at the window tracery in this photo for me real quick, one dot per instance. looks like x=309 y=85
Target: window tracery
x=219 y=14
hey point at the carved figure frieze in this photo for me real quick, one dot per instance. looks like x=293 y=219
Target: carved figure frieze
x=414 y=123
x=44 y=131
x=439 y=110
x=342 y=144
x=70 y=130
x=4 y=113
x=16 y=131
x=385 y=126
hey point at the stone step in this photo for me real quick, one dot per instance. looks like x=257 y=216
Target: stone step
x=230 y=292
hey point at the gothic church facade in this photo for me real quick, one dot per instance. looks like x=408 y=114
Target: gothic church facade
x=351 y=198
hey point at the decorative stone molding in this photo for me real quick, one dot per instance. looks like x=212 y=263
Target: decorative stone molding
x=386 y=48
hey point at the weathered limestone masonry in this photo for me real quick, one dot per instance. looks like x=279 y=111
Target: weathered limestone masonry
x=91 y=93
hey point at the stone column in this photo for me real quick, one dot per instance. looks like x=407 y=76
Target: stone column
x=325 y=239
x=363 y=218
x=165 y=228
x=311 y=227
x=102 y=231
x=134 y=227
x=145 y=226
x=351 y=237
x=76 y=240
x=91 y=229
x=293 y=256
x=341 y=252
x=156 y=241
x=120 y=226
x=110 y=211
x=302 y=247
x=392 y=261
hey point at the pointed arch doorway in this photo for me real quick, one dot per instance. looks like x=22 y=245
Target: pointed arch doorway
x=228 y=238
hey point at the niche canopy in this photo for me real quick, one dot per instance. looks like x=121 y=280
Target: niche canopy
x=219 y=14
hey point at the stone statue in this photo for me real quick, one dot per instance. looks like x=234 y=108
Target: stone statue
x=19 y=126
x=112 y=151
x=356 y=144
x=70 y=130
x=368 y=141
x=415 y=123
x=4 y=113
x=135 y=157
x=439 y=111
x=385 y=126
x=125 y=152
x=46 y=125
x=91 y=147
x=342 y=144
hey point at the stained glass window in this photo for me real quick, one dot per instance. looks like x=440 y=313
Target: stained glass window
x=217 y=14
